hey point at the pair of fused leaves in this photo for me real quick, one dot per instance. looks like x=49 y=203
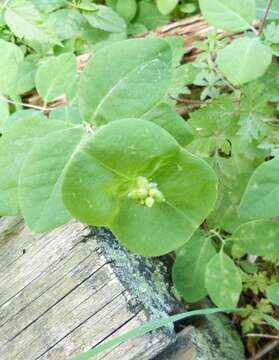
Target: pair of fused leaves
x=245 y=59
x=199 y=271
x=97 y=176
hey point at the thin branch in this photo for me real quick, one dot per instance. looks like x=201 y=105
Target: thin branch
x=265 y=336
x=269 y=347
x=267 y=10
x=35 y=107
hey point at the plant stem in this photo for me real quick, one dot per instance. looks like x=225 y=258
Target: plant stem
x=267 y=10
x=35 y=107
x=215 y=233
x=269 y=347
x=266 y=336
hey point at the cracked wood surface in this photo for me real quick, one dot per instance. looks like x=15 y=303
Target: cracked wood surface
x=59 y=297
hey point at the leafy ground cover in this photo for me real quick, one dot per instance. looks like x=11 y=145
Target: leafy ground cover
x=204 y=187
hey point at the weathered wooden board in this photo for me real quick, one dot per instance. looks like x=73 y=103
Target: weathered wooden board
x=67 y=291
x=59 y=296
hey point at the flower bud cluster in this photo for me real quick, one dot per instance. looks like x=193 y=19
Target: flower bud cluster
x=146 y=192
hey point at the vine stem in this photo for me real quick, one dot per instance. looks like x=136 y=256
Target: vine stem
x=269 y=347
x=215 y=233
x=35 y=107
x=267 y=10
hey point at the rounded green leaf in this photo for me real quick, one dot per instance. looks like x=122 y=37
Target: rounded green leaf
x=188 y=272
x=164 y=116
x=10 y=60
x=127 y=9
x=15 y=145
x=244 y=60
x=55 y=76
x=272 y=293
x=261 y=197
x=106 y=19
x=98 y=183
x=223 y=281
x=258 y=237
x=66 y=23
x=230 y=15
x=41 y=177
x=166 y=6
x=125 y=79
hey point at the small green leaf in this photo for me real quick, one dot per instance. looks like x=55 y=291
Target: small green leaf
x=149 y=15
x=106 y=19
x=164 y=116
x=101 y=177
x=15 y=145
x=125 y=79
x=4 y=113
x=258 y=237
x=223 y=281
x=272 y=293
x=10 y=60
x=41 y=177
x=66 y=23
x=244 y=60
x=63 y=70
x=127 y=9
x=261 y=197
x=26 y=22
x=230 y=15
x=271 y=321
x=188 y=272
x=166 y=6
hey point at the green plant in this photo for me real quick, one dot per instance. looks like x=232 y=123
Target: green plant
x=118 y=154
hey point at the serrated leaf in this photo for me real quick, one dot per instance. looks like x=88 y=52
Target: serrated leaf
x=135 y=76
x=106 y=19
x=63 y=70
x=26 y=22
x=244 y=60
x=261 y=197
x=100 y=177
x=164 y=116
x=272 y=293
x=15 y=145
x=230 y=15
x=166 y=6
x=188 y=272
x=41 y=177
x=258 y=237
x=223 y=281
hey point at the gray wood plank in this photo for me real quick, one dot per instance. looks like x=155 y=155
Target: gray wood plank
x=60 y=296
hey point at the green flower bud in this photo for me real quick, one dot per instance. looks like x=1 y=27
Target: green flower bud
x=149 y=202
x=142 y=182
x=133 y=195
x=142 y=193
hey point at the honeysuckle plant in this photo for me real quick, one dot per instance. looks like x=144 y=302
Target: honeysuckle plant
x=119 y=155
